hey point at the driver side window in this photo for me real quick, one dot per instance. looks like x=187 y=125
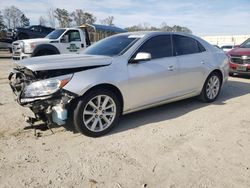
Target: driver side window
x=158 y=47
x=71 y=36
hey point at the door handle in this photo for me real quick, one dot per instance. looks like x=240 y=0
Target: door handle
x=171 y=68
x=202 y=62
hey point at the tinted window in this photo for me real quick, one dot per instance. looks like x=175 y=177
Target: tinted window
x=35 y=28
x=111 y=46
x=186 y=45
x=74 y=36
x=201 y=48
x=158 y=47
x=45 y=29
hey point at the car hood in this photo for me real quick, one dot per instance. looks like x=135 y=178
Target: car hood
x=240 y=51
x=64 y=61
x=37 y=40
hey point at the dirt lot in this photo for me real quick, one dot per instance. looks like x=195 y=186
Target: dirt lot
x=183 y=144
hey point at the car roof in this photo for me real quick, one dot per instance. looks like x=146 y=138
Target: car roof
x=153 y=33
x=148 y=34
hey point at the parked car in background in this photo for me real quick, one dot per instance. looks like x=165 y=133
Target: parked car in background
x=240 y=59
x=6 y=44
x=59 y=41
x=118 y=75
x=217 y=46
x=11 y=35
x=30 y=32
x=63 y=41
x=227 y=48
x=6 y=38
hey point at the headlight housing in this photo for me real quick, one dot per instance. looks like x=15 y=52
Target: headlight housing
x=21 y=43
x=46 y=87
x=29 y=48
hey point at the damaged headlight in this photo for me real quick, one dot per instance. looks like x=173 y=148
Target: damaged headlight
x=46 y=87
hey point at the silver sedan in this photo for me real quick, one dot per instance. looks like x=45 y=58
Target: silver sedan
x=118 y=75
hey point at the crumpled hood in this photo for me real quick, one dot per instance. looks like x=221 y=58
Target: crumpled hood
x=64 y=61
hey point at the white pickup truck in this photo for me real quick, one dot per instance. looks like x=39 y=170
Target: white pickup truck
x=59 y=41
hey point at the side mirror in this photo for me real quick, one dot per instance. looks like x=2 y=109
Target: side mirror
x=64 y=39
x=141 y=56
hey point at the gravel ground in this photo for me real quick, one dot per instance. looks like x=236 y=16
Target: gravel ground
x=182 y=144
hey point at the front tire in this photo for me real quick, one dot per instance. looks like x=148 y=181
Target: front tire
x=97 y=113
x=211 y=88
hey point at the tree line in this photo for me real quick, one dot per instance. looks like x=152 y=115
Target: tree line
x=13 y=17
x=162 y=27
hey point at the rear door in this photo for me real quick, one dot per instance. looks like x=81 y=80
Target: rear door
x=192 y=58
x=157 y=79
x=71 y=42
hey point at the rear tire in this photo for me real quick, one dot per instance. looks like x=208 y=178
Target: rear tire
x=97 y=112
x=211 y=88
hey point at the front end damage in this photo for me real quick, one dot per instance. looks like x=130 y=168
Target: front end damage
x=49 y=105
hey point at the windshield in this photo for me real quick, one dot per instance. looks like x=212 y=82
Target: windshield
x=246 y=44
x=111 y=46
x=55 y=34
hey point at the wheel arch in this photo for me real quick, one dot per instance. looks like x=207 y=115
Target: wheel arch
x=43 y=47
x=219 y=72
x=110 y=87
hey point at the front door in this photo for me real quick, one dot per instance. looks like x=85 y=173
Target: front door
x=154 y=80
x=71 y=42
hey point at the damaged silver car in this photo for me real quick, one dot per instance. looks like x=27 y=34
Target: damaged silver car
x=118 y=75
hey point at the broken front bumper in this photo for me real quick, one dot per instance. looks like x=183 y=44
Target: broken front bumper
x=49 y=109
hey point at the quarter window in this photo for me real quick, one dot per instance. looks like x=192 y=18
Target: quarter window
x=187 y=45
x=158 y=47
x=201 y=48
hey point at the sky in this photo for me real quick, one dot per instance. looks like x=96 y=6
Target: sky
x=207 y=17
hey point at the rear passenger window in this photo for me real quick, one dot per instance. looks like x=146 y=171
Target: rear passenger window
x=158 y=47
x=186 y=45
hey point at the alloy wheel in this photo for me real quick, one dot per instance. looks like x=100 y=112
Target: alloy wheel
x=99 y=113
x=213 y=87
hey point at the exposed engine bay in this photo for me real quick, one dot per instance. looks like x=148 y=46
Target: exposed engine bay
x=48 y=107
